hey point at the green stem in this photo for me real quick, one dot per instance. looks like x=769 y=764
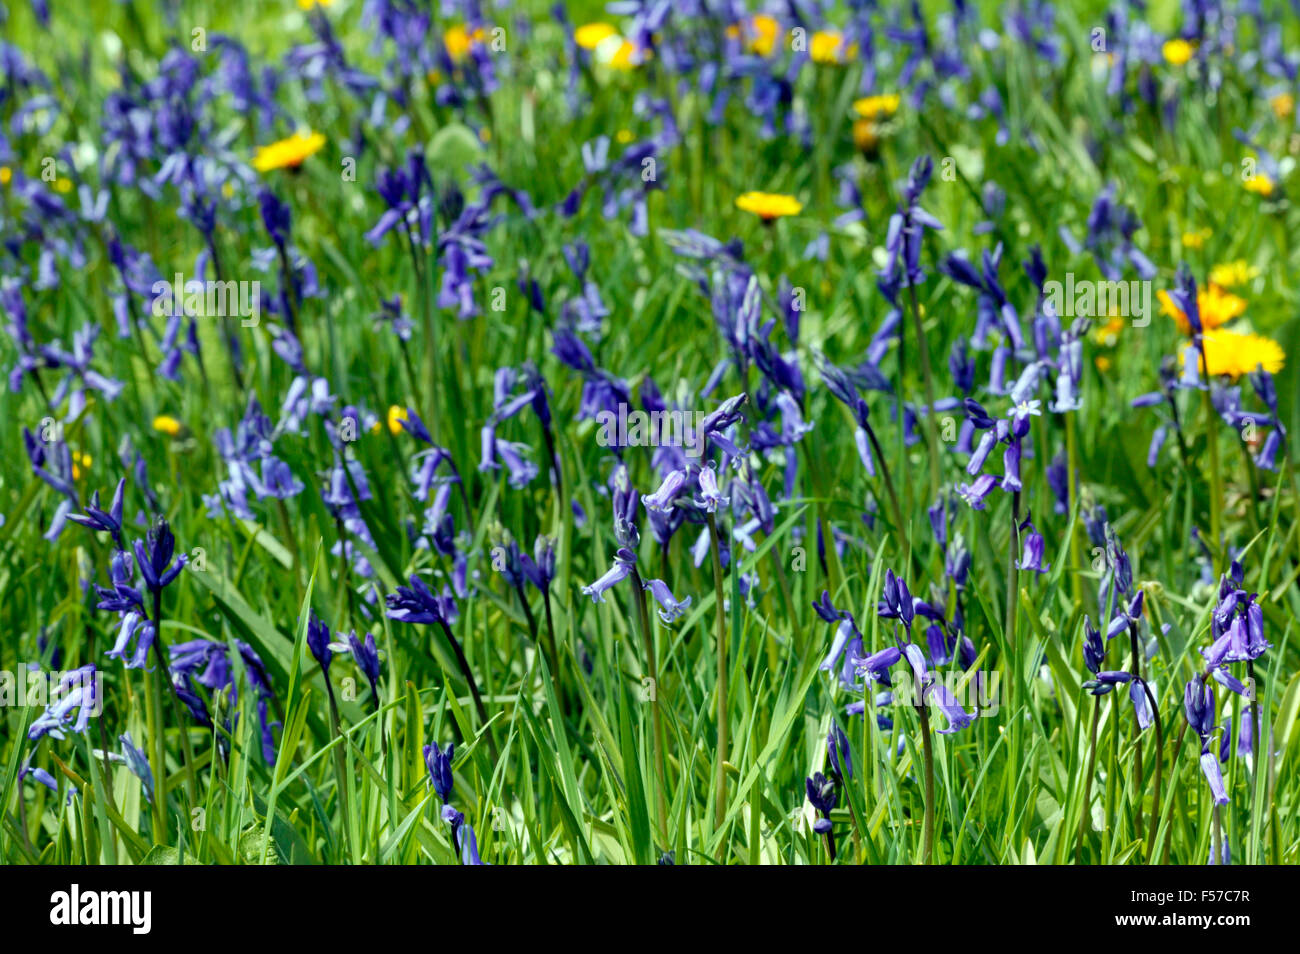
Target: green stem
x=652 y=670
x=720 y=773
x=932 y=435
x=927 y=753
x=1086 y=812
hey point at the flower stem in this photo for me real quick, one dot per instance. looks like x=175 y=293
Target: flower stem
x=1137 y=733
x=1086 y=812
x=720 y=773
x=652 y=670
x=931 y=434
x=468 y=673
x=1216 y=478
x=927 y=752
x=1160 y=758
x=1013 y=573
x=1072 y=478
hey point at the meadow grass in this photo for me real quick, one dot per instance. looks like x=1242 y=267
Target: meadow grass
x=592 y=731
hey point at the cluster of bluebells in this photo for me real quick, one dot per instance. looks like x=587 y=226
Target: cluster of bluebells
x=1121 y=612
x=855 y=668
x=363 y=651
x=203 y=669
x=464 y=843
x=689 y=491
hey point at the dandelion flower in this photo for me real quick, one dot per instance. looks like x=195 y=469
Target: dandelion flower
x=1235 y=354
x=1283 y=105
x=288 y=153
x=1107 y=335
x=1232 y=274
x=769 y=206
x=458 y=42
x=166 y=424
x=591 y=35
x=759 y=33
x=828 y=48
x=1196 y=239
x=1260 y=184
x=625 y=56
x=866 y=135
x=396 y=415
x=1177 y=52
x=877 y=107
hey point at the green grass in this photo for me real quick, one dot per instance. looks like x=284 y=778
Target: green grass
x=565 y=770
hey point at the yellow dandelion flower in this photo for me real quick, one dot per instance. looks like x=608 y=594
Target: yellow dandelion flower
x=308 y=4
x=759 y=33
x=1177 y=52
x=624 y=136
x=458 y=41
x=591 y=35
x=1232 y=274
x=6 y=175
x=769 y=206
x=866 y=135
x=288 y=153
x=396 y=415
x=1103 y=363
x=828 y=47
x=1107 y=335
x=1283 y=105
x=1260 y=184
x=625 y=56
x=1196 y=239
x=1216 y=305
x=877 y=107
x=80 y=464
x=166 y=424
x=62 y=186
x=1234 y=354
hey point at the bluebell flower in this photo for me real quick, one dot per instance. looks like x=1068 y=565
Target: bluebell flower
x=76 y=691
x=439 y=764
x=1032 y=556
x=624 y=561
x=318 y=642
x=822 y=795
x=1094 y=647
x=662 y=499
x=539 y=569
x=469 y=847
x=154 y=556
x=1198 y=707
x=838 y=755
x=135 y=759
x=710 y=496
x=367 y=659
x=110 y=520
x=670 y=608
